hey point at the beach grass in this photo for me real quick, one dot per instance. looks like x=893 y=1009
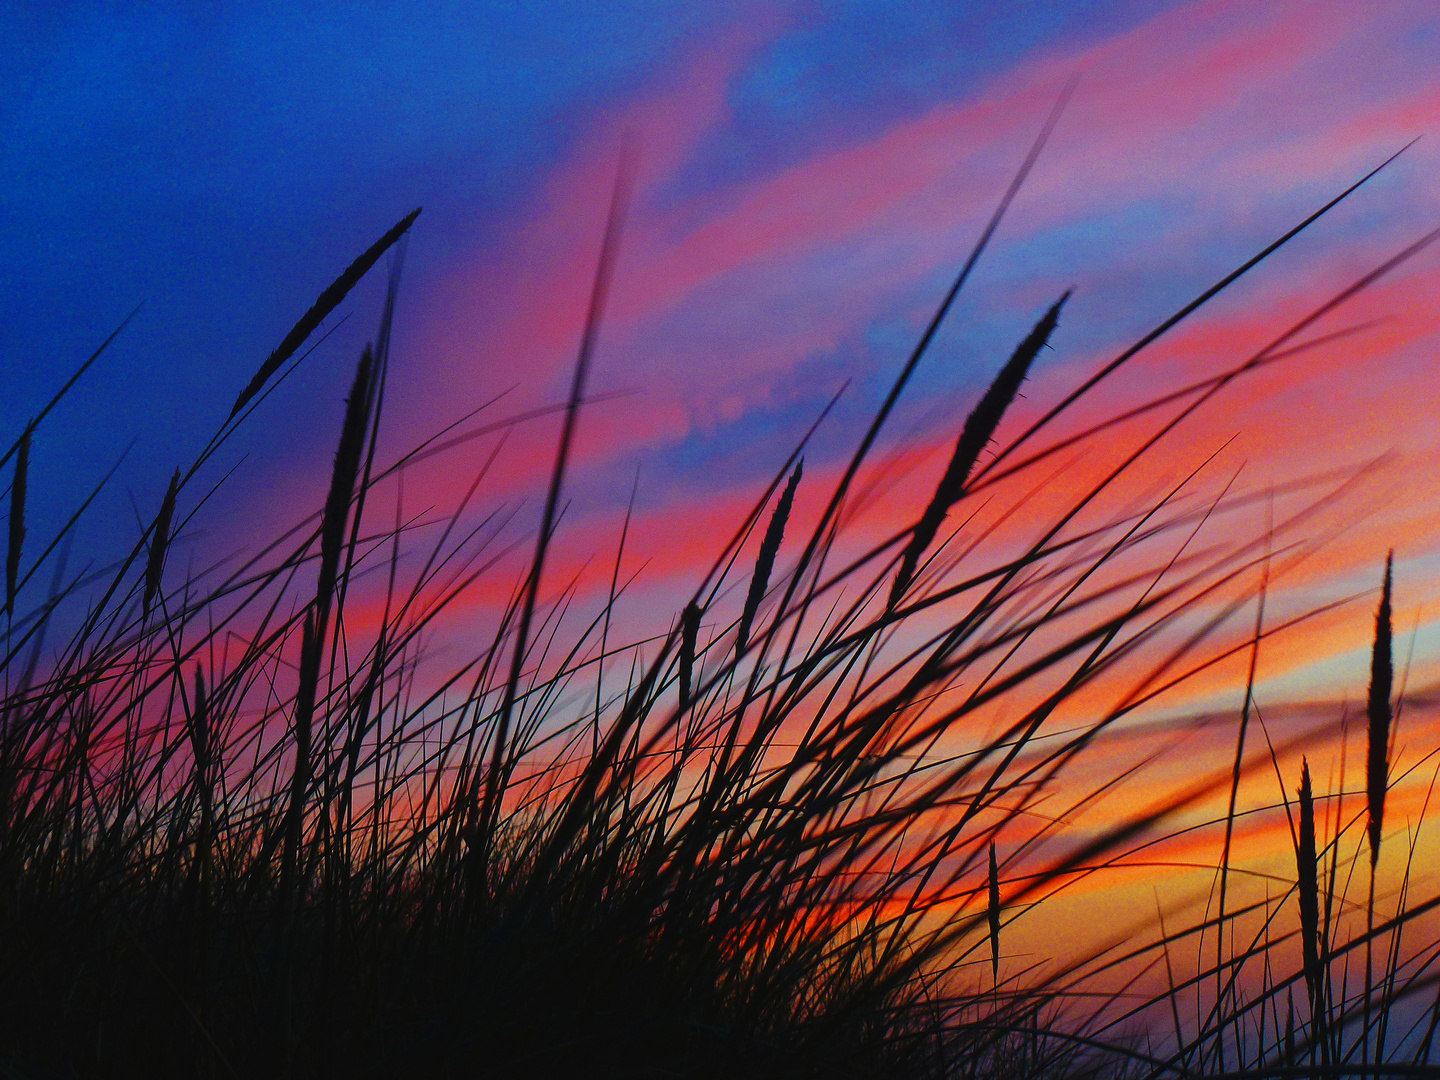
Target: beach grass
x=247 y=832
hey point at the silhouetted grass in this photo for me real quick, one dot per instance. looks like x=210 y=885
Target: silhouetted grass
x=245 y=833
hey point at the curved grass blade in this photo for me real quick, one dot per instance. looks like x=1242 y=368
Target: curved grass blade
x=70 y=382
x=200 y=748
x=609 y=250
x=1185 y=312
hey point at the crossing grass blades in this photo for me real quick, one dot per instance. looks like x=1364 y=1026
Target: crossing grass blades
x=243 y=836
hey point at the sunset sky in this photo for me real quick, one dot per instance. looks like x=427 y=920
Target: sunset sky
x=810 y=175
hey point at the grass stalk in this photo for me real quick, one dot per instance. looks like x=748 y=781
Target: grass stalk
x=1307 y=892
x=689 y=636
x=317 y=617
x=993 y=916
x=17 y=520
x=600 y=289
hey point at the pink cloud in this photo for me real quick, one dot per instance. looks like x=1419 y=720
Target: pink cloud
x=776 y=270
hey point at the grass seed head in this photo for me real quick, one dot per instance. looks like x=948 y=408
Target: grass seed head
x=199 y=724
x=979 y=429
x=159 y=541
x=765 y=561
x=1307 y=890
x=342 y=479
x=323 y=306
x=993 y=915
x=689 y=633
x=1382 y=675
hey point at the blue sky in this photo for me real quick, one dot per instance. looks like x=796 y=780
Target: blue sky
x=220 y=163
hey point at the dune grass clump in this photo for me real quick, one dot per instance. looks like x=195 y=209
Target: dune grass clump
x=246 y=833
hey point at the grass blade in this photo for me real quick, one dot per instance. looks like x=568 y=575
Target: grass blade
x=70 y=382
x=200 y=747
x=17 y=519
x=609 y=249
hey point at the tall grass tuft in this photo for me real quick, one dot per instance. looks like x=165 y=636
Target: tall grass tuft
x=252 y=828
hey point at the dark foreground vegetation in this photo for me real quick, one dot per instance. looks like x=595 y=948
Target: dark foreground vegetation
x=246 y=833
